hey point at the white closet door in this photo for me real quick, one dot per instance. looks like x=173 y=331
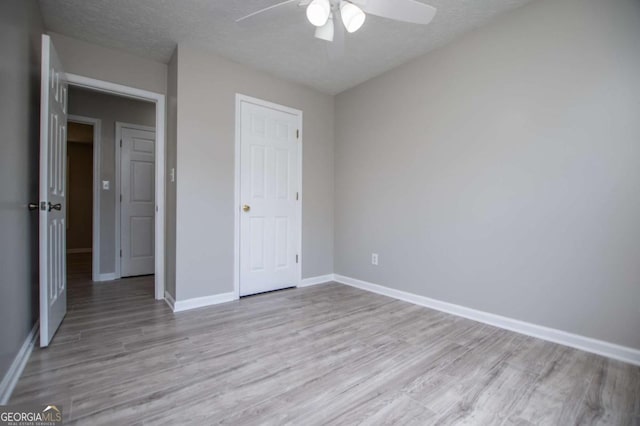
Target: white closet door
x=269 y=190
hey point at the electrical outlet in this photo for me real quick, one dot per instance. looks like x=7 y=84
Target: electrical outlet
x=374 y=259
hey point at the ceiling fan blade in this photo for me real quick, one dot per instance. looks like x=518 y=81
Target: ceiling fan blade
x=266 y=9
x=400 y=10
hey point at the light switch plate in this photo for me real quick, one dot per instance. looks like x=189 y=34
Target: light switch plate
x=105 y=185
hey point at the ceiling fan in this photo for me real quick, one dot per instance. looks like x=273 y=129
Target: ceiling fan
x=353 y=13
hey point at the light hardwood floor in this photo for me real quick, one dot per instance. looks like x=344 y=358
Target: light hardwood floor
x=328 y=354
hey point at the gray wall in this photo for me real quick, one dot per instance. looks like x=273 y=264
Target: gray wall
x=172 y=139
x=207 y=86
x=20 y=30
x=102 y=63
x=502 y=172
x=109 y=109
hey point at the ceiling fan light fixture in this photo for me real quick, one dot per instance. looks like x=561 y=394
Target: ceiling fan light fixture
x=352 y=16
x=325 y=32
x=318 y=12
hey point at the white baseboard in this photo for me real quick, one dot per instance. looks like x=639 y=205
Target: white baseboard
x=200 y=302
x=10 y=379
x=321 y=279
x=170 y=300
x=600 y=347
x=79 y=250
x=106 y=277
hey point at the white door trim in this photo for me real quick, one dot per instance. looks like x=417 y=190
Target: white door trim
x=236 y=243
x=97 y=126
x=118 y=188
x=160 y=103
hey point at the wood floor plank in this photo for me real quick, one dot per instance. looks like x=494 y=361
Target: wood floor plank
x=613 y=395
x=396 y=409
x=327 y=354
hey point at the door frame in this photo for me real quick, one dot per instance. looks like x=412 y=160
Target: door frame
x=160 y=103
x=237 y=201
x=118 y=188
x=95 y=238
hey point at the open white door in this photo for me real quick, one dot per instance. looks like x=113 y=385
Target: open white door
x=53 y=155
x=138 y=203
x=270 y=197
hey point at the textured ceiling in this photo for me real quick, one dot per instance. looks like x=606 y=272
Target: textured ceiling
x=280 y=43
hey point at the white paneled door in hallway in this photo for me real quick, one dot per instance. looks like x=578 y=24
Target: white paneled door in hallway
x=52 y=205
x=270 y=196
x=137 y=205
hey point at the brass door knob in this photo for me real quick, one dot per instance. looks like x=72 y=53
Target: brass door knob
x=246 y=208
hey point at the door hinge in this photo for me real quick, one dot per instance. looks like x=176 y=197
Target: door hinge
x=297 y=196
x=120 y=142
x=120 y=253
x=297 y=133
x=120 y=197
x=296 y=258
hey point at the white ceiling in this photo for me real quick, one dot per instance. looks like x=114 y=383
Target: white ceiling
x=281 y=44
